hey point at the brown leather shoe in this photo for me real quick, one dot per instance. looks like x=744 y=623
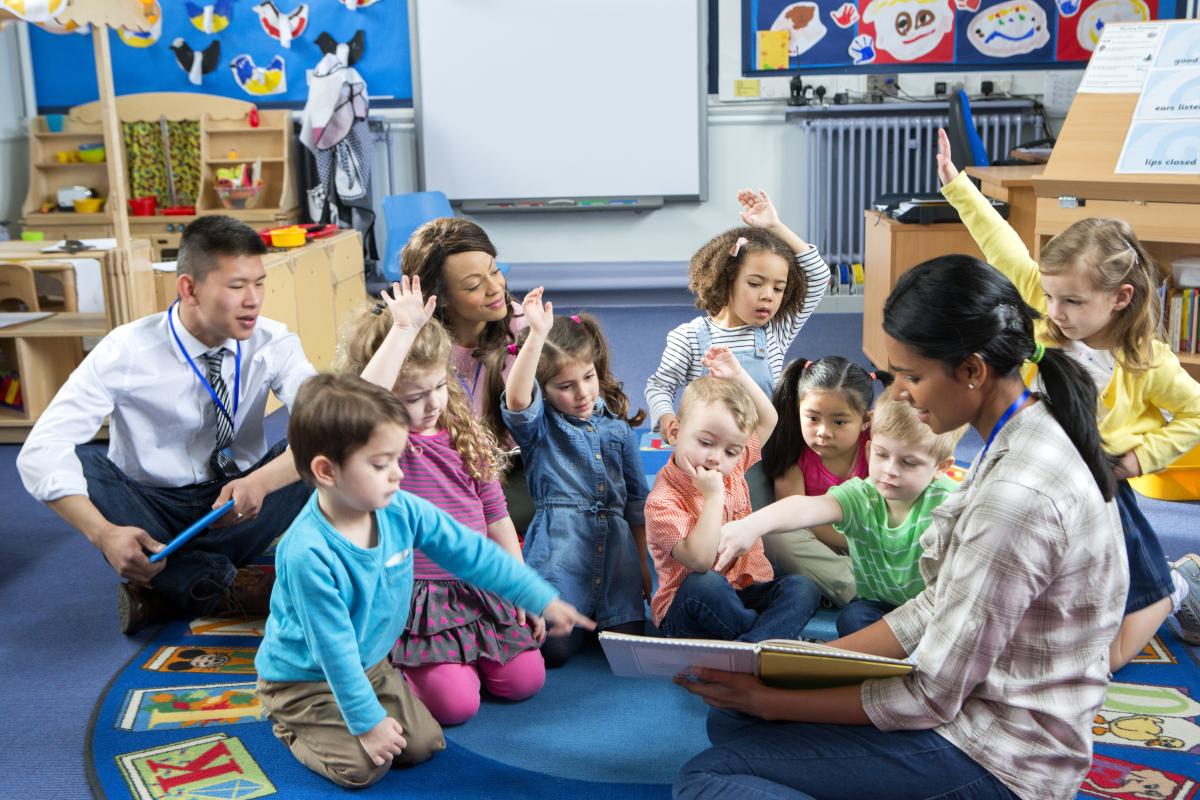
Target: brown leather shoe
x=138 y=607
x=249 y=595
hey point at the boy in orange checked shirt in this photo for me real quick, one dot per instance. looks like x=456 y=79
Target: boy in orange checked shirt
x=723 y=418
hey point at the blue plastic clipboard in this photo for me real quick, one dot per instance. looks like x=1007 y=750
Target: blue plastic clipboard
x=192 y=531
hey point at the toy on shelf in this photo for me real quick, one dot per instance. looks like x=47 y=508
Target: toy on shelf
x=91 y=153
x=239 y=186
x=10 y=391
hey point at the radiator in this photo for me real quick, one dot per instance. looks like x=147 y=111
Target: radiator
x=854 y=158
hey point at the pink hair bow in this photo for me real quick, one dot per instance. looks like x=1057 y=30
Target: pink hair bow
x=741 y=242
x=512 y=349
x=575 y=317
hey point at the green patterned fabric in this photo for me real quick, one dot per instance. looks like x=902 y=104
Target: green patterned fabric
x=148 y=165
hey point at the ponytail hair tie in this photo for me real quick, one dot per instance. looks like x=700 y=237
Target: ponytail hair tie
x=873 y=376
x=512 y=349
x=575 y=317
x=807 y=364
x=1039 y=350
x=741 y=242
x=379 y=309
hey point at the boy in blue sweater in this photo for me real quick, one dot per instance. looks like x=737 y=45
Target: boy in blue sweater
x=343 y=580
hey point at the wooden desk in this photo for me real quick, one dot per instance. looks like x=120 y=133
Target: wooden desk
x=892 y=248
x=1013 y=185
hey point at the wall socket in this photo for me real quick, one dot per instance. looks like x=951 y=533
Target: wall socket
x=880 y=86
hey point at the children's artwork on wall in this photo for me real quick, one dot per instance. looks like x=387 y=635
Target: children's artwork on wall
x=803 y=23
x=259 y=81
x=1091 y=19
x=909 y=31
x=932 y=34
x=195 y=63
x=210 y=17
x=263 y=44
x=1012 y=28
x=145 y=38
x=280 y=26
x=349 y=52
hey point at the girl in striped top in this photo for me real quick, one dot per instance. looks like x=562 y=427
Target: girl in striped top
x=757 y=285
x=458 y=637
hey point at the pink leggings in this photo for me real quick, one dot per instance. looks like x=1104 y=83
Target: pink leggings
x=451 y=691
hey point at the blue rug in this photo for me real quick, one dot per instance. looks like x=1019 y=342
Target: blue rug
x=180 y=722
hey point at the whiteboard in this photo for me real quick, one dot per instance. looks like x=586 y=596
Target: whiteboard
x=559 y=98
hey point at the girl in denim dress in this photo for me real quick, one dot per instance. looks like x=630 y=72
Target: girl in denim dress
x=582 y=463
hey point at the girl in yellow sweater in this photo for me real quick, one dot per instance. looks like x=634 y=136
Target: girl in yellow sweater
x=1097 y=290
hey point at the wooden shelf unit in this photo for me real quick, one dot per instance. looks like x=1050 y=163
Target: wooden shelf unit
x=224 y=127
x=1162 y=209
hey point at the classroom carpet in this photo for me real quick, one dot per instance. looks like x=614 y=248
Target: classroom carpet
x=180 y=721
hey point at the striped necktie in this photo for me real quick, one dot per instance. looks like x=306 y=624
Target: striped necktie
x=222 y=464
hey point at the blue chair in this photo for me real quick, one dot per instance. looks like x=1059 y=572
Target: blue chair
x=404 y=213
x=965 y=142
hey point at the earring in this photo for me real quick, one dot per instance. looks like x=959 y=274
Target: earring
x=970 y=386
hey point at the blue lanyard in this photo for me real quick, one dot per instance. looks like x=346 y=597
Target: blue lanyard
x=470 y=390
x=1005 y=417
x=237 y=371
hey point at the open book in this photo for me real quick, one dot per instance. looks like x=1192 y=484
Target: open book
x=778 y=662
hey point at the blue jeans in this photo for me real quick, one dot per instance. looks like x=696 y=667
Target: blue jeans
x=754 y=760
x=708 y=607
x=859 y=614
x=196 y=575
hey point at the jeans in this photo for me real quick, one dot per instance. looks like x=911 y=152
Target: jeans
x=196 y=575
x=754 y=760
x=1149 y=573
x=859 y=614
x=708 y=607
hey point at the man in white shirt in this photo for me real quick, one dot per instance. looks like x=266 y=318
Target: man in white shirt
x=185 y=391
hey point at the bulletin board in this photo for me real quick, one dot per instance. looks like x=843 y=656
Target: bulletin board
x=784 y=36
x=237 y=49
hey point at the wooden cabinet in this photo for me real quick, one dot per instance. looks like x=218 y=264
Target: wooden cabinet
x=44 y=353
x=226 y=139
x=890 y=249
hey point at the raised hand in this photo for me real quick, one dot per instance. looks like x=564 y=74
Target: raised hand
x=946 y=169
x=721 y=363
x=539 y=315
x=757 y=209
x=405 y=304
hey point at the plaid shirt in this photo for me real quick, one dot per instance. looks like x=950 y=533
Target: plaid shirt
x=672 y=509
x=1027 y=575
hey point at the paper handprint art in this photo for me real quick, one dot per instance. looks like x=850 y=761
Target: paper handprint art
x=862 y=49
x=1009 y=29
x=845 y=16
x=803 y=23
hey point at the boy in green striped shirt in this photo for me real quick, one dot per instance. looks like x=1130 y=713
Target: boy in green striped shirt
x=879 y=520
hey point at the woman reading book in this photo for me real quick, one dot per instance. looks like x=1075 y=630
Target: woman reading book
x=1025 y=575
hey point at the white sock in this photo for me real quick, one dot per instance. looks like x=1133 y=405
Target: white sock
x=1180 y=591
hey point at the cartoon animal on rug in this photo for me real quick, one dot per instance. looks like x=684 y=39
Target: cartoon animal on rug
x=1140 y=728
